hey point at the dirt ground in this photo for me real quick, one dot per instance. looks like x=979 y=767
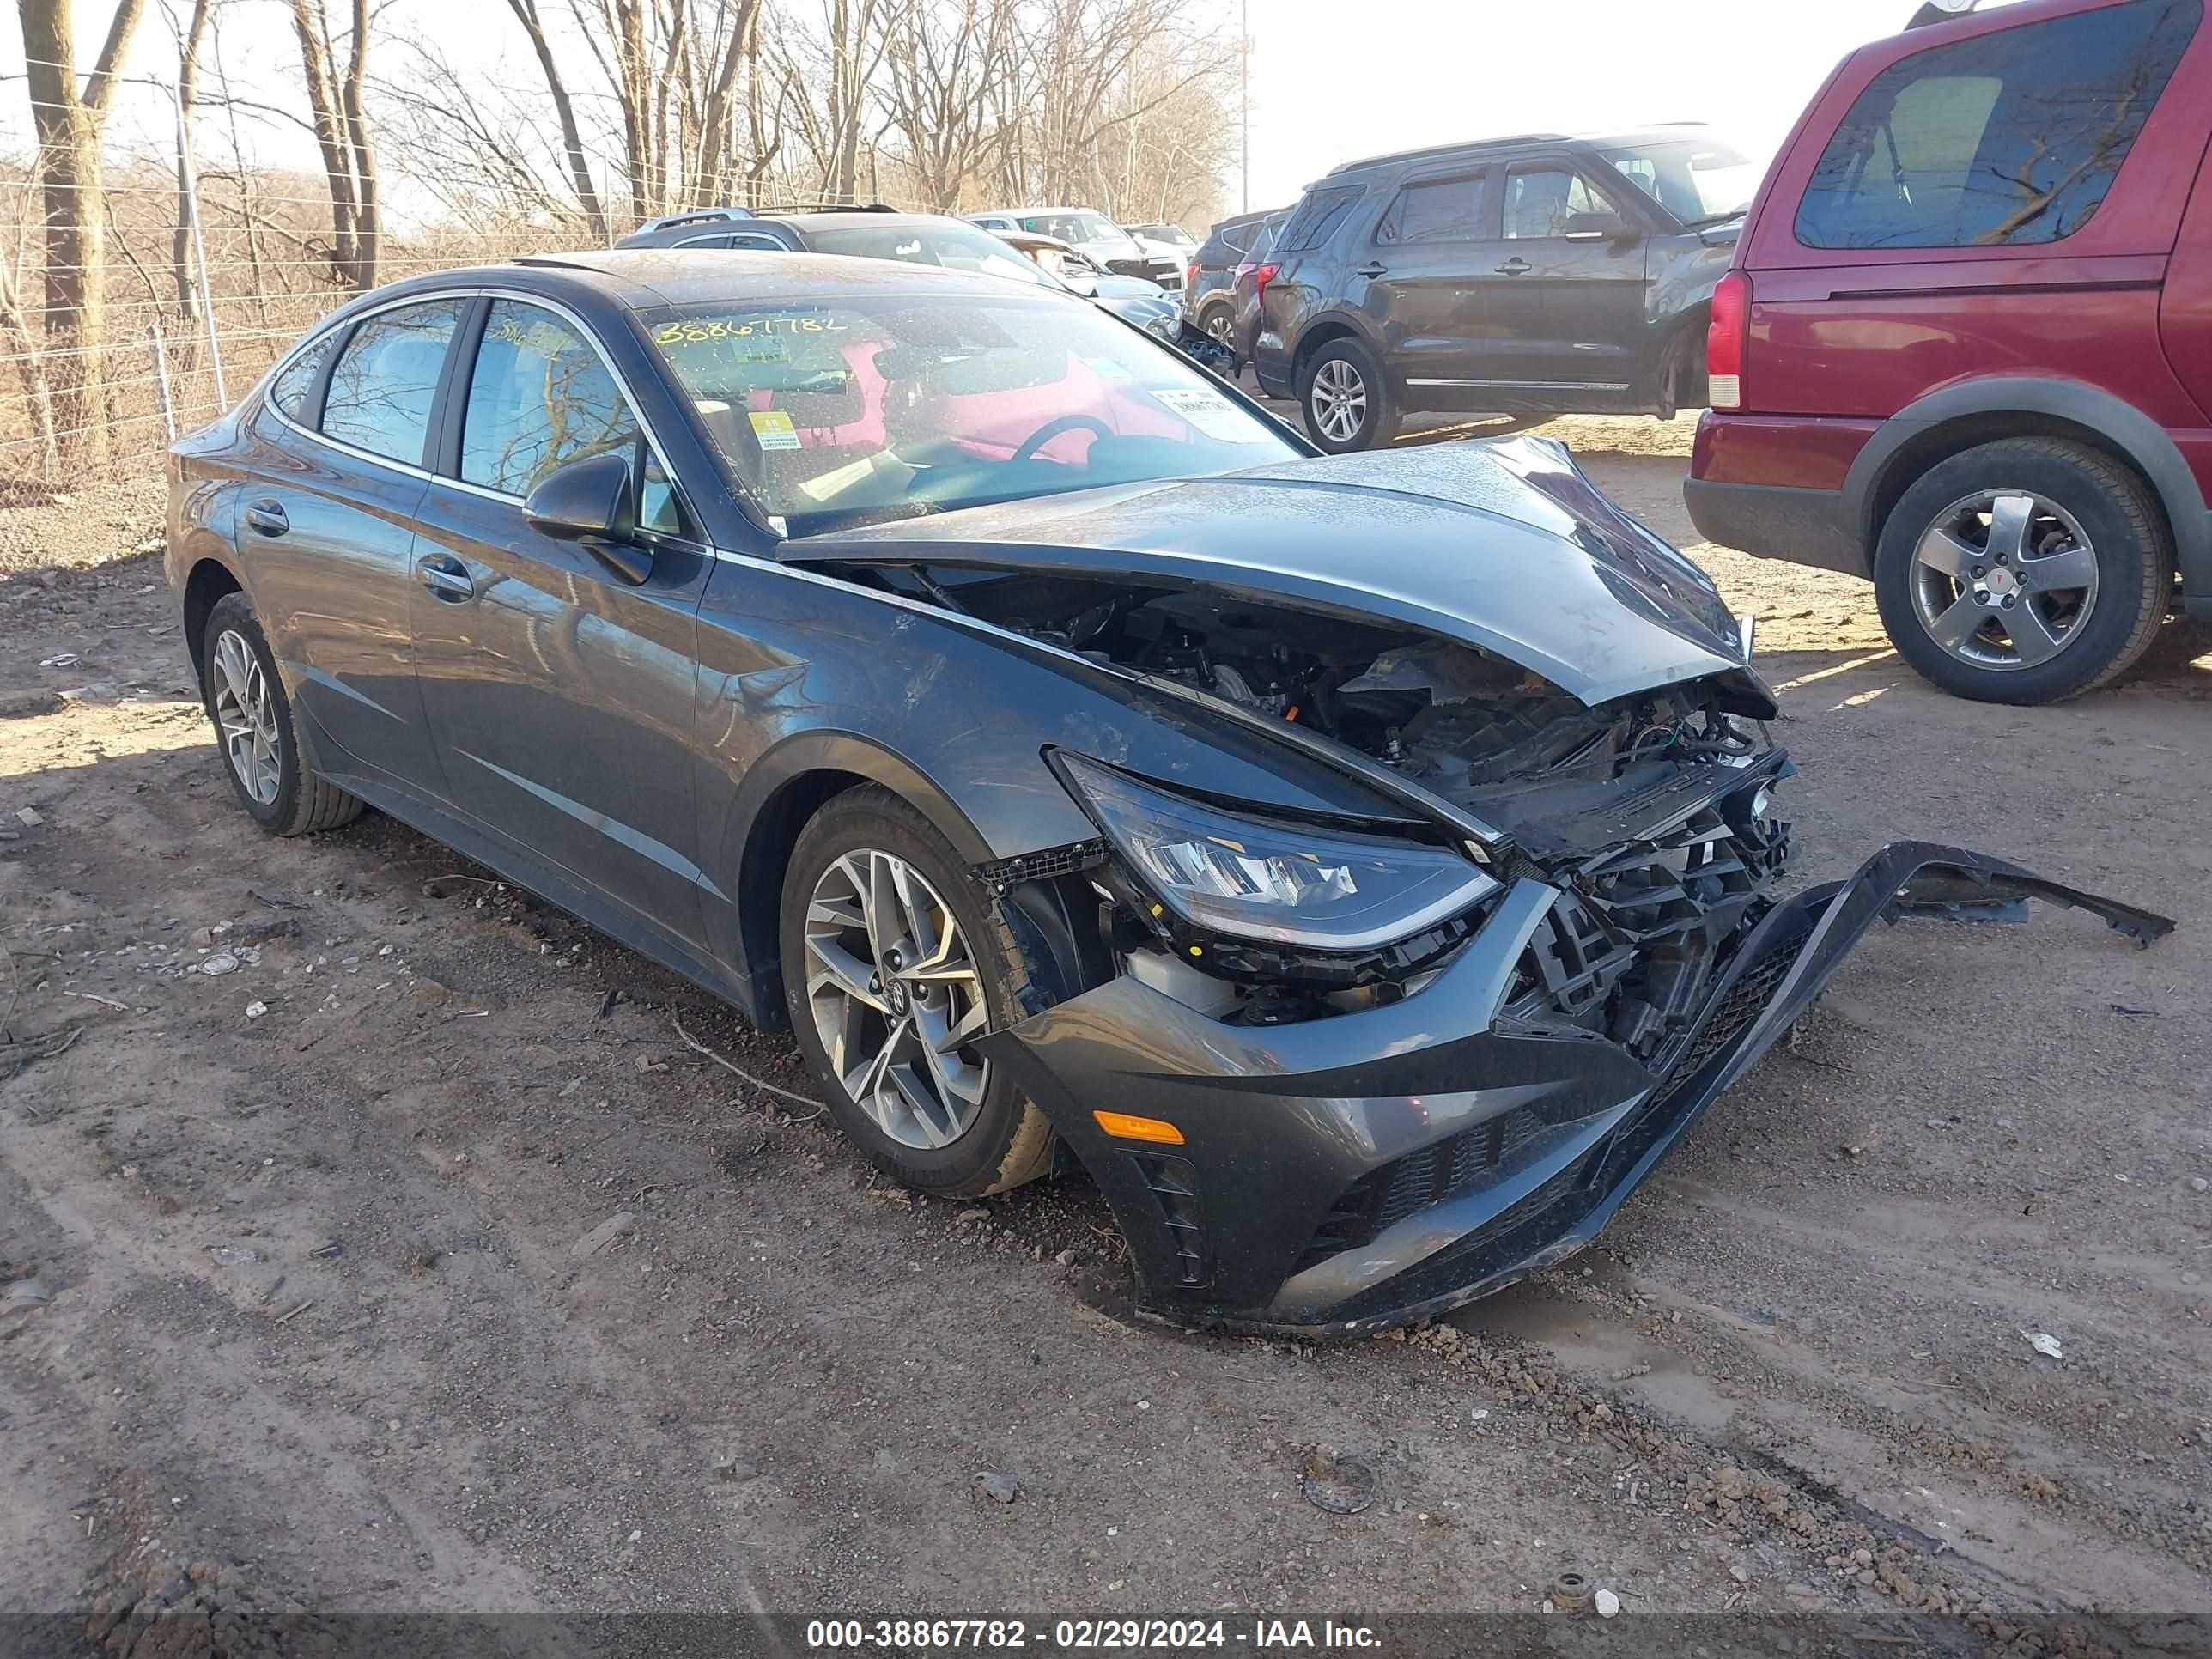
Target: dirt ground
x=416 y=1261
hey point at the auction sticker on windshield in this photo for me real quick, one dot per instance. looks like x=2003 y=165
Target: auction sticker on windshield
x=772 y=429
x=1211 y=414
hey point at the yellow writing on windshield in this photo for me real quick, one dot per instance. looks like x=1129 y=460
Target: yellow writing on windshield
x=693 y=330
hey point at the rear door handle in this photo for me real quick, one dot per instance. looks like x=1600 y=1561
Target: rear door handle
x=1515 y=266
x=446 y=576
x=1372 y=270
x=267 y=517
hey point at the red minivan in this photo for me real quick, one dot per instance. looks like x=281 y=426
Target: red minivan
x=1965 y=345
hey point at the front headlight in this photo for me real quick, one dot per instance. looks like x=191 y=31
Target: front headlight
x=1168 y=325
x=1284 y=883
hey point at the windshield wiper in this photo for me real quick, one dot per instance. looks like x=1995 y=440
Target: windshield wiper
x=1716 y=218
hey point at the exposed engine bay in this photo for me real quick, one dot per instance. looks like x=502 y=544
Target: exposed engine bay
x=1652 y=813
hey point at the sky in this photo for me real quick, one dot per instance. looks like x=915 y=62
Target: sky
x=1331 y=80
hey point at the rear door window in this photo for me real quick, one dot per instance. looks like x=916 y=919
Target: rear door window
x=2011 y=138
x=1315 y=218
x=386 y=379
x=1436 y=210
x=292 y=389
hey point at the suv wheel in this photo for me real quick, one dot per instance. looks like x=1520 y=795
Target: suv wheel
x=2024 y=571
x=1346 y=398
x=1218 y=323
x=893 y=965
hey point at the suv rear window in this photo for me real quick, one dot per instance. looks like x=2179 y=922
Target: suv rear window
x=2010 y=137
x=1315 y=218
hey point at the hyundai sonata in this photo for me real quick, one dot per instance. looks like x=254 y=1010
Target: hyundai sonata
x=1366 y=867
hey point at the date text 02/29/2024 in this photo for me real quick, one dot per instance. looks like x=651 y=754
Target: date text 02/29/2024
x=1087 y=1635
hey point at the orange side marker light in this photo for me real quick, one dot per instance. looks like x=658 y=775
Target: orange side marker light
x=1124 y=1126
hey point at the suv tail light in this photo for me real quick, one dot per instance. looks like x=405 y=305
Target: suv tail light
x=1262 y=276
x=1727 y=333
x=1190 y=274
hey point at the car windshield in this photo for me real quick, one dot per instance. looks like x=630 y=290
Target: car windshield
x=955 y=247
x=1071 y=227
x=1699 y=180
x=843 y=409
x=1164 y=233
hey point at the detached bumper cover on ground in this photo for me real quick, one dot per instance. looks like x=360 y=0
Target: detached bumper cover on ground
x=1346 y=1174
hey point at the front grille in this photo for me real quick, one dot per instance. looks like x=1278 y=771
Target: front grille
x=1445 y=1169
x=1495 y=1245
x=1640 y=930
x=1737 y=1009
x=1630 y=952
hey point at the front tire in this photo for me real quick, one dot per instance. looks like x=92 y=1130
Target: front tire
x=892 y=965
x=256 y=730
x=2024 y=571
x=1346 y=399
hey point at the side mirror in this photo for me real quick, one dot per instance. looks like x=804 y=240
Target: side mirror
x=1597 y=227
x=593 y=503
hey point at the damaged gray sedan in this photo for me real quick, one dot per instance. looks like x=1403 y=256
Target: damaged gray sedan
x=1366 y=867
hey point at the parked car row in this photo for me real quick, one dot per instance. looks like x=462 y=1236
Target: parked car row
x=1959 y=341
x=931 y=238
x=1532 y=275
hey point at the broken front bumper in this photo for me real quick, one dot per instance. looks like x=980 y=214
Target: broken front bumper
x=1345 y=1174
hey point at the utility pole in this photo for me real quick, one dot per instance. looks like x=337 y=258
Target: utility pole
x=1244 y=102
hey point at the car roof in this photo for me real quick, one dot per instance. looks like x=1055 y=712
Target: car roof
x=839 y=218
x=645 y=278
x=1101 y=212
x=1672 y=132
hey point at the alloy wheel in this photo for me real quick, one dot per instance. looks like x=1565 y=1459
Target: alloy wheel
x=1219 y=326
x=1340 y=400
x=896 y=998
x=2004 y=579
x=246 y=715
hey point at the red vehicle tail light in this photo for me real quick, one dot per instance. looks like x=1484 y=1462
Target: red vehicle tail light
x=1190 y=274
x=1726 y=334
x=1262 y=276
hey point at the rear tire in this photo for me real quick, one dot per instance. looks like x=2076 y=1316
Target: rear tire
x=1682 y=373
x=2062 y=634
x=949 y=1126
x=1346 y=398
x=257 y=731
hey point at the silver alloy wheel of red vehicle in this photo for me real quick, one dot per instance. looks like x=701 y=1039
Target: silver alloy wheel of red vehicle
x=895 y=997
x=2004 y=578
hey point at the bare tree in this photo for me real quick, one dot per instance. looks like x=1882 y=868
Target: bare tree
x=341 y=126
x=69 y=121
x=564 y=108
x=189 y=39
x=940 y=73
x=830 y=72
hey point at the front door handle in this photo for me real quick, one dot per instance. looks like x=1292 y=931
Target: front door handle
x=446 y=576
x=1515 y=266
x=1371 y=269
x=267 y=517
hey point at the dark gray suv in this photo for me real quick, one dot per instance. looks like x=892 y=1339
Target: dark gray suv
x=1539 y=275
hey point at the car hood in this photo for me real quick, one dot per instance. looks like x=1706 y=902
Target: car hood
x=1501 y=545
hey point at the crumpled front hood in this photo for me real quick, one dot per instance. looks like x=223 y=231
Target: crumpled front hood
x=1503 y=545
